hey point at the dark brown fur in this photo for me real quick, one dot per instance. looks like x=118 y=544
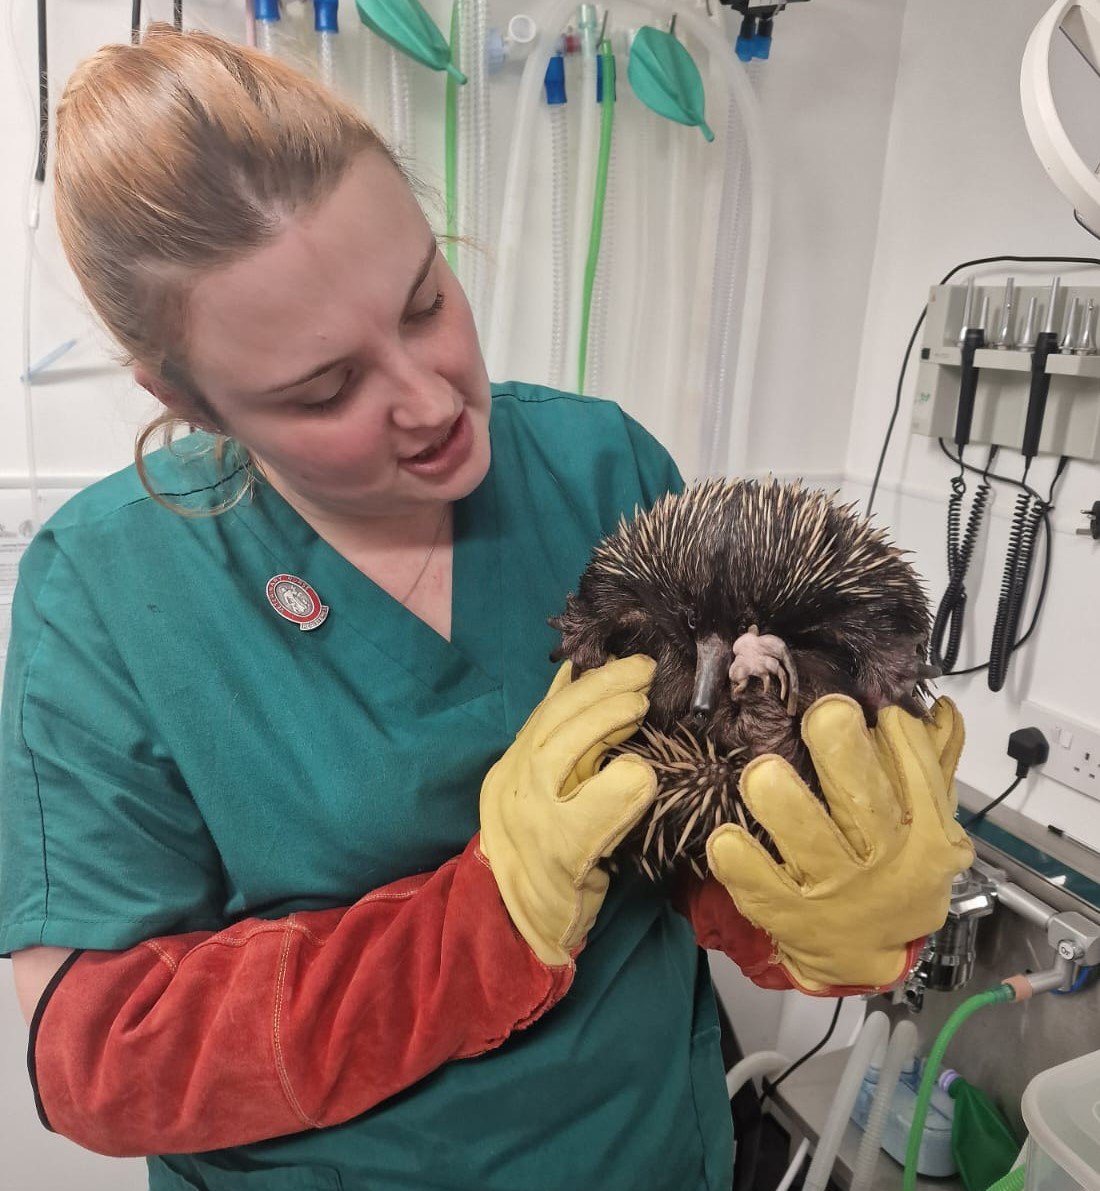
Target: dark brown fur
x=719 y=558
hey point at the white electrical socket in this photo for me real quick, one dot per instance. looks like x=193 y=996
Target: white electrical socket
x=1074 y=749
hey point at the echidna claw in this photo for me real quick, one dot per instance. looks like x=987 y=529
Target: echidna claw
x=756 y=656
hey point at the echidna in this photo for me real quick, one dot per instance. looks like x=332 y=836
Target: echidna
x=755 y=598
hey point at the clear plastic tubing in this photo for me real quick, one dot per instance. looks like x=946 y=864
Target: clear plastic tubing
x=267 y=17
x=717 y=435
x=601 y=296
x=871 y=1038
x=903 y=1045
x=400 y=103
x=473 y=108
x=587 y=154
x=559 y=228
x=326 y=27
x=643 y=155
x=678 y=217
x=510 y=246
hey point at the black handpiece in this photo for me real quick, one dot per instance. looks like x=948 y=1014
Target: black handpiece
x=1046 y=345
x=973 y=338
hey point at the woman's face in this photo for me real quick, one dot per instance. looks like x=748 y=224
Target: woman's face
x=344 y=355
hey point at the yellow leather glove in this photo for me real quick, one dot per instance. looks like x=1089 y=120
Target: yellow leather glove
x=548 y=817
x=858 y=889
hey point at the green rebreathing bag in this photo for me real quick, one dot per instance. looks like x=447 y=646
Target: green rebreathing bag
x=982 y=1141
x=665 y=78
x=405 y=24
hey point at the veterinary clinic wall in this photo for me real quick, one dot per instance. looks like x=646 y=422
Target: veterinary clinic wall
x=826 y=98
x=961 y=182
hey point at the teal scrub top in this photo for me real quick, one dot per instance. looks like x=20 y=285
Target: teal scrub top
x=175 y=756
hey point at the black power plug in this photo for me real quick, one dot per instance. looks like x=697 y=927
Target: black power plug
x=1027 y=747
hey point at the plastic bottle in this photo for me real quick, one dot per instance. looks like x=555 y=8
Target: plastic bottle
x=982 y=1141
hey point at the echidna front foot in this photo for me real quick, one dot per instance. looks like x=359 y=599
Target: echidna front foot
x=756 y=656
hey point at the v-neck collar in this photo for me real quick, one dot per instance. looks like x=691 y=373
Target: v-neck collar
x=465 y=668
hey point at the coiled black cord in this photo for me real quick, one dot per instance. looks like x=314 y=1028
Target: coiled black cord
x=1045 y=578
x=1031 y=512
x=951 y=612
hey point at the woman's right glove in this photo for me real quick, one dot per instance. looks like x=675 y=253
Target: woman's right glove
x=549 y=814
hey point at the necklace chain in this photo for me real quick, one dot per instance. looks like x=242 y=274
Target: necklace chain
x=428 y=557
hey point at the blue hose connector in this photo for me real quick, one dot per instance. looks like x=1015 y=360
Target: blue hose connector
x=599 y=81
x=554 y=82
x=746 y=39
x=267 y=10
x=762 y=42
x=324 y=16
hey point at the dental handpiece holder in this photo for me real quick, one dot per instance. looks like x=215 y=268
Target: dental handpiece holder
x=1022 y=375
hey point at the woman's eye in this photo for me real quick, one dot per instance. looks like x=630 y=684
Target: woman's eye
x=434 y=308
x=329 y=403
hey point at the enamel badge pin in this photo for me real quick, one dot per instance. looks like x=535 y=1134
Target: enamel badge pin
x=296 y=601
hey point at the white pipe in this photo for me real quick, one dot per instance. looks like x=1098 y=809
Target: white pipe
x=763 y=1062
x=511 y=231
x=795 y=1166
x=873 y=1035
x=903 y=1045
x=559 y=236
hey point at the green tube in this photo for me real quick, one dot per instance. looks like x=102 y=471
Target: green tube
x=1013 y=1181
x=451 y=125
x=994 y=996
x=607 y=123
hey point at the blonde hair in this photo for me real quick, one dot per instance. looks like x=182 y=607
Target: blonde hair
x=177 y=156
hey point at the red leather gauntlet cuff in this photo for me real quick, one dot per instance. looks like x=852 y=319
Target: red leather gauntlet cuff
x=719 y=926
x=202 y=1041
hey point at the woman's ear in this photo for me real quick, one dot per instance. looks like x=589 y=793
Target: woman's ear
x=176 y=402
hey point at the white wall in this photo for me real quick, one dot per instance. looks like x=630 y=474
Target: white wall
x=961 y=181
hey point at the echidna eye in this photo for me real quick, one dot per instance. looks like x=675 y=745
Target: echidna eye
x=691 y=621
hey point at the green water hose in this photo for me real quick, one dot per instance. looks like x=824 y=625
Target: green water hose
x=994 y=996
x=451 y=125
x=607 y=123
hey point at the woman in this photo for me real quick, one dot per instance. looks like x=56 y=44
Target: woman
x=299 y=891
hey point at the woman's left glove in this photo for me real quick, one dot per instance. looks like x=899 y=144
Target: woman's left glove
x=860 y=884
x=549 y=814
